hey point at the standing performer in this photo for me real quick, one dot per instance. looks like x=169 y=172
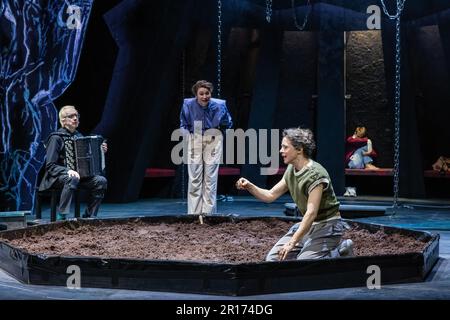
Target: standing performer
x=57 y=174
x=204 y=148
x=319 y=233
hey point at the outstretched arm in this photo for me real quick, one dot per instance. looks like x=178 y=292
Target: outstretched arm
x=263 y=194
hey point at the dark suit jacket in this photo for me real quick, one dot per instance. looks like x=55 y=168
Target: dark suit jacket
x=55 y=164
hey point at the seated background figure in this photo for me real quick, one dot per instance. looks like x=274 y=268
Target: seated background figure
x=359 y=152
x=442 y=164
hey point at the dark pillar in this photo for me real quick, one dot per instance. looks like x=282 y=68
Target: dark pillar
x=149 y=42
x=444 y=31
x=298 y=81
x=411 y=183
x=330 y=116
x=264 y=102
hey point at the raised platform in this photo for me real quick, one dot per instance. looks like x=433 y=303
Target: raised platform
x=228 y=171
x=223 y=171
x=216 y=278
x=166 y=173
x=366 y=172
x=347 y=210
x=159 y=173
x=13 y=219
x=390 y=172
x=436 y=174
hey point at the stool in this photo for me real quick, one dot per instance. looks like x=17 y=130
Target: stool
x=54 y=194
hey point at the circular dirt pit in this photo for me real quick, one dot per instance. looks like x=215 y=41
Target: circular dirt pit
x=242 y=241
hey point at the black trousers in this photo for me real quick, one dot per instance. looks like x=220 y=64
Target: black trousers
x=96 y=186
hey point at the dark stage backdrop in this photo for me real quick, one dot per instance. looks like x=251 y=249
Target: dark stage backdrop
x=40 y=45
x=140 y=59
x=273 y=76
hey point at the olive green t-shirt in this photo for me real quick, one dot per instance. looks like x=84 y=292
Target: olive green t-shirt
x=301 y=183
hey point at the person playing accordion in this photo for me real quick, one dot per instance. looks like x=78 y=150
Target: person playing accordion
x=61 y=170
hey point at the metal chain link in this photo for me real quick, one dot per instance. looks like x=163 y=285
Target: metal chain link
x=397 y=113
x=268 y=10
x=305 y=20
x=183 y=90
x=183 y=73
x=219 y=46
x=400 y=7
x=397 y=96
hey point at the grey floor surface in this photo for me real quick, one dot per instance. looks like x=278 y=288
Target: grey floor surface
x=433 y=217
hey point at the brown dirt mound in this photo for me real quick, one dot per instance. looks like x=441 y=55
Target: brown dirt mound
x=228 y=242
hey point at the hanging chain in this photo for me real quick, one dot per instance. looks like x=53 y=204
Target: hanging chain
x=305 y=20
x=183 y=92
x=268 y=10
x=219 y=46
x=397 y=113
x=183 y=74
x=400 y=6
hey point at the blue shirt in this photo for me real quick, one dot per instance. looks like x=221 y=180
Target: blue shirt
x=214 y=116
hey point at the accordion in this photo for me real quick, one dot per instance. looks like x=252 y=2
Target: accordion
x=85 y=155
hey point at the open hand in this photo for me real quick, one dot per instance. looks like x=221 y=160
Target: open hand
x=282 y=254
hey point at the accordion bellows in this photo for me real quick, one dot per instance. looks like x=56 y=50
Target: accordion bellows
x=85 y=155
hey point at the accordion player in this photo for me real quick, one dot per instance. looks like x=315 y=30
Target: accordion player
x=74 y=162
x=85 y=155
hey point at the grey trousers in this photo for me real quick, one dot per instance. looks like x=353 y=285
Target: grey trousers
x=321 y=241
x=204 y=155
x=96 y=186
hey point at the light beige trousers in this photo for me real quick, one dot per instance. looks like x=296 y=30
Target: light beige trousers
x=204 y=156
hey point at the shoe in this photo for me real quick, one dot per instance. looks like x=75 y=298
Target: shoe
x=350 y=192
x=61 y=217
x=346 y=248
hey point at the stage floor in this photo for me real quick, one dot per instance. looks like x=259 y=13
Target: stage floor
x=432 y=216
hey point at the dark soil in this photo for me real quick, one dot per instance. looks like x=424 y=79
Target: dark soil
x=245 y=241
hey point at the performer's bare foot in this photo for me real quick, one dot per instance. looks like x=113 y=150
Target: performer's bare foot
x=370 y=166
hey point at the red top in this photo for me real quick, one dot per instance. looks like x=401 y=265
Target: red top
x=354 y=144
